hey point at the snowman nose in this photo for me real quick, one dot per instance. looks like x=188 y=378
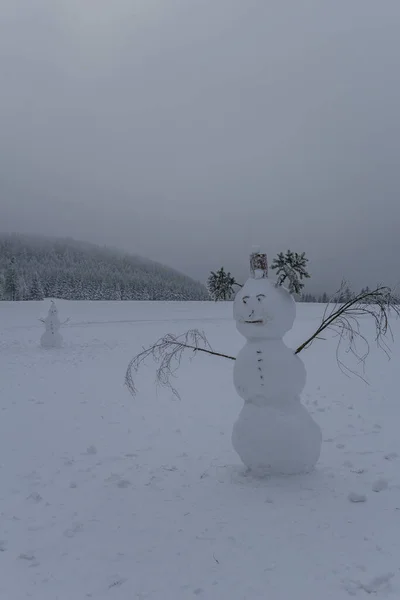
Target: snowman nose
x=252 y=313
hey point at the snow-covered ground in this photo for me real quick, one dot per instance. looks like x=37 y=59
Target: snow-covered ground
x=104 y=496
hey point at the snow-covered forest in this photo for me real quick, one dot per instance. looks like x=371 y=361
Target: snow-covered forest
x=33 y=268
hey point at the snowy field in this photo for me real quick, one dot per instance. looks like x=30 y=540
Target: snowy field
x=104 y=496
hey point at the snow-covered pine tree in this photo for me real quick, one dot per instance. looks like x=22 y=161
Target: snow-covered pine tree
x=343 y=296
x=291 y=266
x=99 y=292
x=36 y=290
x=308 y=298
x=366 y=290
x=347 y=294
x=117 y=294
x=22 y=292
x=220 y=285
x=11 y=281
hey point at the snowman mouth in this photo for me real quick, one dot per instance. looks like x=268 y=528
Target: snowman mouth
x=256 y=322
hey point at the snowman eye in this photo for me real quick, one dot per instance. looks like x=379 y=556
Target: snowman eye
x=245 y=299
x=260 y=296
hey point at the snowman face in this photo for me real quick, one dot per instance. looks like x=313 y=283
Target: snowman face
x=53 y=310
x=263 y=311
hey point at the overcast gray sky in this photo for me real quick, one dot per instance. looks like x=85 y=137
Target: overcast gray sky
x=188 y=130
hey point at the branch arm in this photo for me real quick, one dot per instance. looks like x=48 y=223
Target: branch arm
x=197 y=349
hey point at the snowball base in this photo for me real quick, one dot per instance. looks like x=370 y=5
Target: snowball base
x=273 y=440
x=51 y=340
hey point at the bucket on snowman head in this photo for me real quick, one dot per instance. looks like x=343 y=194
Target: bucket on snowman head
x=258 y=265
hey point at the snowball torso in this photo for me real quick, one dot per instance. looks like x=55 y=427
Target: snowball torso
x=274 y=433
x=270 y=370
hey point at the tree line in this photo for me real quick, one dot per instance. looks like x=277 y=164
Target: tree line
x=34 y=268
x=344 y=295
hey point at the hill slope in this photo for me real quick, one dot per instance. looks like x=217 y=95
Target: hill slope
x=33 y=267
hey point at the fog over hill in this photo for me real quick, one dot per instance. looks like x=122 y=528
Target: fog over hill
x=34 y=267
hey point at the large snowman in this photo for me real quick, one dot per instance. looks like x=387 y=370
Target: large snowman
x=52 y=337
x=274 y=433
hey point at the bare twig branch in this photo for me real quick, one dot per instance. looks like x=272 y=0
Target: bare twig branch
x=168 y=352
x=344 y=319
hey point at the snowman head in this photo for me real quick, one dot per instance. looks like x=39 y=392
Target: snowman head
x=53 y=310
x=262 y=310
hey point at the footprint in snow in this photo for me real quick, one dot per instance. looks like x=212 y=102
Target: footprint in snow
x=124 y=483
x=35 y=497
x=76 y=528
x=378 y=584
x=381 y=584
x=391 y=456
x=380 y=485
x=27 y=556
x=117 y=583
x=356 y=497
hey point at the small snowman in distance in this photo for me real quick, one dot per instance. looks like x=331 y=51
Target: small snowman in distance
x=274 y=434
x=52 y=337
